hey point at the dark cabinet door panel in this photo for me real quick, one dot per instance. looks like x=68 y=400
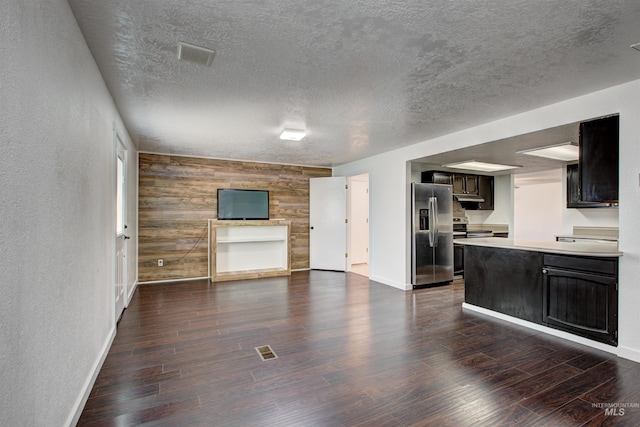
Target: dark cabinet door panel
x=599 y=158
x=486 y=191
x=471 y=184
x=604 y=266
x=458 y=260
x=582 y=303
x=573 y=191
x=504 y=280
x=459 y=184
x=435 y=177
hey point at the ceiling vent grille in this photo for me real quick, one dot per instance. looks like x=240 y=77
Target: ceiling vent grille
x=197 y=54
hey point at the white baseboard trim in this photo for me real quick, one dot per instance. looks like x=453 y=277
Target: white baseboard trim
x=629 y=353
x=78 y=406
x=389 y=282
x=155 y=282
x=556 y=333
x=133 y=291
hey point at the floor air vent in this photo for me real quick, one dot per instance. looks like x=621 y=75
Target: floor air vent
x=266 y=353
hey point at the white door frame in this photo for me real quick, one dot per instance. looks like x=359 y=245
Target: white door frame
x=120 y=259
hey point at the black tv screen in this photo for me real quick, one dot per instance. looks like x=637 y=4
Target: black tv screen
x=243 y=204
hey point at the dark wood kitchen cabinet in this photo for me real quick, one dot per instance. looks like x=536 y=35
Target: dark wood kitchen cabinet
x=458 y=260
x=575 y=294
x=580 y=296
x=436 y=177
x=465 y=184
x=486 y=191
x=599 y=160
x=573 y=191
x=504 y=280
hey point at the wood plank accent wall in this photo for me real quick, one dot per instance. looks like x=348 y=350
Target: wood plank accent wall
x=177 y=195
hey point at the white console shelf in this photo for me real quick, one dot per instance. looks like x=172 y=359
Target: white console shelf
x=249 y=249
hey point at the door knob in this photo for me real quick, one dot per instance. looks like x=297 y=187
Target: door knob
x=126 y=237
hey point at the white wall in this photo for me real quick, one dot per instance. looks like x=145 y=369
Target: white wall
x=58 y=213
x=537 y=212
x=589 y=217
x=503 y=205
x=390 y=175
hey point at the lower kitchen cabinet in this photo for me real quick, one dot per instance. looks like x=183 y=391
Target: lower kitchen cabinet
x=581 y=296
x=458 y=260
x=504 y=280
x=575 y=294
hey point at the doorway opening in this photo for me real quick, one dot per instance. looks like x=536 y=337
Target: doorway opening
x=358 y=242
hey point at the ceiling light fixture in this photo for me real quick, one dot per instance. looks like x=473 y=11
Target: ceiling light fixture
x=292 y=134
x=480 y=166
x=566 y=151
x=635 y=46
x=197 y=54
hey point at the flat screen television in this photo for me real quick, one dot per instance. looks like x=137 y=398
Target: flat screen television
x=243 y=204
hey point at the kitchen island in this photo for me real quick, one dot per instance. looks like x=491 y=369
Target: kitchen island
x=569 y=287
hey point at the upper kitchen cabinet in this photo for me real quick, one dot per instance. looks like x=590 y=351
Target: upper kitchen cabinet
x=573 y=191
x=465 y=184
x=436 y=177
x=599 y=160
x=478 y=190
x=486 y=191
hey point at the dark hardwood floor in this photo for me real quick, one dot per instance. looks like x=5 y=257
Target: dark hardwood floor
x=350 y=353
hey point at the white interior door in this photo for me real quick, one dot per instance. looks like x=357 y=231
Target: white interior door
x=359 y=253
x=327 y=223
x=121 y=228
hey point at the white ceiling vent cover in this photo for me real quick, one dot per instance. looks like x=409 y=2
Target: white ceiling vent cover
x=197 y=54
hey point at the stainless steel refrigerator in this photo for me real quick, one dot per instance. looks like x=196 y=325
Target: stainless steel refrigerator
x=432 y=234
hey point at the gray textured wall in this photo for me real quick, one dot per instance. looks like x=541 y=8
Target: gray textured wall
x=57 y=186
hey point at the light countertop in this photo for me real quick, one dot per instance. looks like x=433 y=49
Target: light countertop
x=600 y=249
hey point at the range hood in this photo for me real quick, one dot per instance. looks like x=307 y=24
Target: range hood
x=468 y=198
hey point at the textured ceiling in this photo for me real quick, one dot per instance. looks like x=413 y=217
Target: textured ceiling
x=361 y=77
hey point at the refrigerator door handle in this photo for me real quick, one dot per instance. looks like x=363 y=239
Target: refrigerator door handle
x=436 y=228
x=430 y=221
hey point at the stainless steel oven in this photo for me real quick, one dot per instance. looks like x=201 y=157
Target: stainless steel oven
x=459 y=231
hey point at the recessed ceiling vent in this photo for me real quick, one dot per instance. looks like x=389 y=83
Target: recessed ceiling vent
x=197 y=54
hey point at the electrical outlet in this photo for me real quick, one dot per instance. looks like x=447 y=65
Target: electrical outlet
x=160 y=263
